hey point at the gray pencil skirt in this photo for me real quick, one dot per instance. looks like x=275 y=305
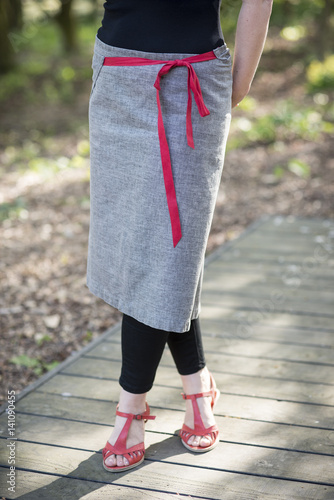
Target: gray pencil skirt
x=132 y=262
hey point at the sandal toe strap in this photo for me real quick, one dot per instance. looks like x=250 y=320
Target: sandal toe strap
x=199 y=431
x=132 y=454
x=210 y=433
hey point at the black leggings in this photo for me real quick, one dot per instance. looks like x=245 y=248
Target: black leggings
x=142 y=348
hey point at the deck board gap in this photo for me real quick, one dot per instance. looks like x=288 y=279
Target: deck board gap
x=221 y=415
x=253 y=338
x=222 y=372
x=270 y=358
x=264 y=323
x=281 y=400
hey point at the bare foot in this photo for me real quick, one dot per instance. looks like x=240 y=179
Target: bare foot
x=128 y=403
x=193 y=384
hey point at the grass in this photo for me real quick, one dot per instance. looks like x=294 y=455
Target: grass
x=288 y=121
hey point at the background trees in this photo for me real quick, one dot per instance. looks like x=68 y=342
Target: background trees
x=18 y=18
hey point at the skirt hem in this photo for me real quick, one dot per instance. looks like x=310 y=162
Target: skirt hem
x=141 y=317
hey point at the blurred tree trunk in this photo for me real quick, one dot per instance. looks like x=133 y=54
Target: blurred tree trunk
x=95 y=8
x=16 y=15
x=323 y=38
x=66 y=21
x=287 y=9
x=6 y=49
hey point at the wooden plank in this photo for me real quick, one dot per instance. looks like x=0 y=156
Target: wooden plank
x=294 y=235
x=270 y=350
x=224 y=363
x=231 y=406
x=307 y=229
x=296 y=231
x=248 y=405
x=168 y=453
x=293 y=225
x=296 y=302
x=224 y=485
x=263 y=361
x=36 y=486
x=266 y=333
x=295 y=274
x=306 y=249
x=259 y=285
x=255 y=317
x=36 y=426
x=287 y=390
x=257 y=255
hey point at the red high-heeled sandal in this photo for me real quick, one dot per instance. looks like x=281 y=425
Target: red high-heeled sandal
x=199 y=430
x=135 y=454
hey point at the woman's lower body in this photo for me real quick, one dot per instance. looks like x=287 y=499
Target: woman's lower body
x=142 y=349
x=143 y=346
x=132 y=263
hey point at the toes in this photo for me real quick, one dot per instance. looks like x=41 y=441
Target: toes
x=194 y=441
x=121 y=461
x=116 y=461
x=111 y=461
x=205 y=441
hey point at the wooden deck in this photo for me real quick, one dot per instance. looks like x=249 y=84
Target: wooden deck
x=267 y=319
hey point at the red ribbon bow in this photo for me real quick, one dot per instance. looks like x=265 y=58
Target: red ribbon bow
x=194 y=87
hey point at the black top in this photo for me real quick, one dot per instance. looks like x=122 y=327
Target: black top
x=180 y=26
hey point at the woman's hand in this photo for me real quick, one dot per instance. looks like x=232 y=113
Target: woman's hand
x=238 y=93
x=251 y=33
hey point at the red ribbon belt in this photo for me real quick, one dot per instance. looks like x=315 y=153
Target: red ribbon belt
x=194 y=87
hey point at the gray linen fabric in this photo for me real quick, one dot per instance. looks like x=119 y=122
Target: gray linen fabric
x=132 y=264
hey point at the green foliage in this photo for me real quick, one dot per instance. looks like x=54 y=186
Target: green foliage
x=287 y=122
x=83 y=148
x=88 y=336
x=13 y=82
x=38 y=366
x=299 y=167
x=43 y=72
x=294 y=165
x=228 y=16
x=248 y=104
x=41 y=338
x=13 y=210
x=287 y=12
x=30 y=159
x=293 y=33
x=320 y=74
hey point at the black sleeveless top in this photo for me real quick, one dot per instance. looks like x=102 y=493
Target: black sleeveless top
x=180 y=26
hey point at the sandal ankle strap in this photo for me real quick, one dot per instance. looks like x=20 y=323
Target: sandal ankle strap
x=140 y=416
x=198 y=395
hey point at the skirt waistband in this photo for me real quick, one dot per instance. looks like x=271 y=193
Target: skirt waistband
x=106 y=50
